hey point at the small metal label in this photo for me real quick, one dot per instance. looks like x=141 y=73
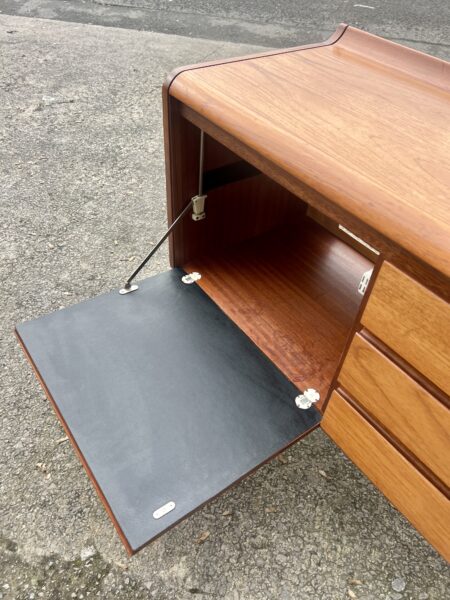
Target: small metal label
x=163 y=510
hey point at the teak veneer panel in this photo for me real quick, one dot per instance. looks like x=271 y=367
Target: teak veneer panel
x=404 y=408
x=362 y=121
x=412 y=321
x=294 y=293
x=408 y=490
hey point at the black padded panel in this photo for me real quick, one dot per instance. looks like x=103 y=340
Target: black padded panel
x=165 y=397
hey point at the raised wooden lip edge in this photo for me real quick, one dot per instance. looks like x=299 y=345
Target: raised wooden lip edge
x=334 y=37
x=129 y=549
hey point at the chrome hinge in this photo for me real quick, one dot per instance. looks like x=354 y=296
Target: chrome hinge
x=191 y=277
x=307 y=399
x=365 y=279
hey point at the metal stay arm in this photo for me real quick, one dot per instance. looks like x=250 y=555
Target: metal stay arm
x=198 y=213
x=131 y=288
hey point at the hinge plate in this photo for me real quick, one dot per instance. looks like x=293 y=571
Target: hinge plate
x=307 y=399
x=191 y=277
x=163 y=510
x=364 y=282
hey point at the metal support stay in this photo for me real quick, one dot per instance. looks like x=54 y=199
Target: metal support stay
x=198 y=213
x=127 y=288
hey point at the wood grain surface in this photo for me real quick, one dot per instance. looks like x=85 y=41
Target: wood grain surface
x=404 y=408
x=294 y=293
x=235 y=211
x=408 y=490
x=412 y=321
x=362 y=121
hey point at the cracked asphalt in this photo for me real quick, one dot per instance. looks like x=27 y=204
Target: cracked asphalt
x=81 y=199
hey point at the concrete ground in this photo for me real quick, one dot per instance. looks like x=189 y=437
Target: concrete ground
x=82 y=197
x=424 y=25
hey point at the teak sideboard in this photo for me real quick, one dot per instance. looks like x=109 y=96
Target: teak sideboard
x=310 y=253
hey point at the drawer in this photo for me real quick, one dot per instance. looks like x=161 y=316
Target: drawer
x=412 y=321
x=408 y=490
x=415 y=417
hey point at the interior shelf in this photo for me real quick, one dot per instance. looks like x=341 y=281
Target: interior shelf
x=293 y=291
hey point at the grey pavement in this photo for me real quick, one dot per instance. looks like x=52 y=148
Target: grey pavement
x=81 y=198
x=423 y=25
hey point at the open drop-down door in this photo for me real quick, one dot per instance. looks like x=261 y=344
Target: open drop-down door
x=166 y=400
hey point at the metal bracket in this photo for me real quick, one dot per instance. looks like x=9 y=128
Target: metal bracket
x=191 y=277
x=198 y=208
x=198 y=201
x=126 y=290
x=163 y=510
x=307 y=399
x=365 y=280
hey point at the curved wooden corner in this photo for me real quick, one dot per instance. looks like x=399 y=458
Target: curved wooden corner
x=334 y=37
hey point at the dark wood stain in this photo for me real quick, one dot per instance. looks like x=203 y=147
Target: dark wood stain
x=294 y=292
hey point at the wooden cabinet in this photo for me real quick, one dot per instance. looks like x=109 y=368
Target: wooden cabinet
x=291 y=176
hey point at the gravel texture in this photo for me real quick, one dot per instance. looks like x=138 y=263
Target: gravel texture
x=81 y=198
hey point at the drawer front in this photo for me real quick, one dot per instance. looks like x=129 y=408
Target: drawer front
x=415 y=417
x=412 y=321
x=418 y=499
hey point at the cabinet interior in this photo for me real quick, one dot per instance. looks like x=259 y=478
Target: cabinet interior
x=286 y=275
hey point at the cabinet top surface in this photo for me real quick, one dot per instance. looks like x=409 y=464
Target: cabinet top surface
x=361 y=120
